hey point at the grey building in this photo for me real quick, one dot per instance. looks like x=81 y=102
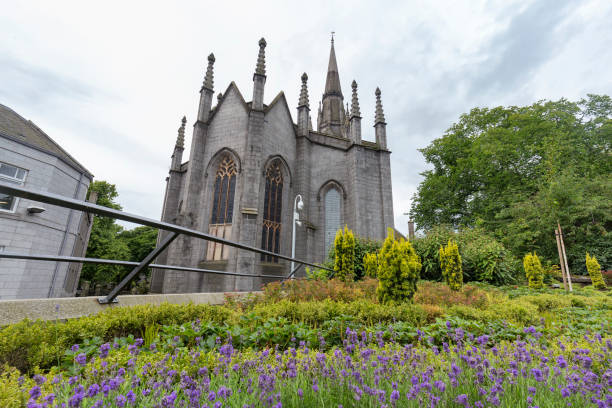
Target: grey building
x=247 y=163
x=30 y=158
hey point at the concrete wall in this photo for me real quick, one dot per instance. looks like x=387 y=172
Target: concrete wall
x=13 y=311
x=38 y=233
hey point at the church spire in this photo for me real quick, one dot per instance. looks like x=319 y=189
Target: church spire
x=380 y=126
x=355 y=101
x=332 y=83
x=208 y=78
x=304 y=107
x=180 y=140
x=177 y=155
x=259 y=78
x=332 y=114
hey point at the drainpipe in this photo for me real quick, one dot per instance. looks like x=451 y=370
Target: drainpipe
x=66 y=232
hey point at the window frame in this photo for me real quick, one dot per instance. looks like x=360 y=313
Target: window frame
x=14 y=180
x=272 y=221
x=222 y=207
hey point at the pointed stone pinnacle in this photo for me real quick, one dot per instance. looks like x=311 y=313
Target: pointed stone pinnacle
x=304 y=92
x=208 y=79
x=219 y=97
x=180 y=140
x=355 y=101
x=380 y=115
x=261 y=58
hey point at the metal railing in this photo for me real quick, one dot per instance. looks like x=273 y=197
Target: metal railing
x=175 y=231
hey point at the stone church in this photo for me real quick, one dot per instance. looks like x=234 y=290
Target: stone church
x=248 y=161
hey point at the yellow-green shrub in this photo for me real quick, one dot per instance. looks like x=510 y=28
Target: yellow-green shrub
x=595 y=272
x=398 y=270
x=515 y=311
x=533 y=271
x=450 y=263
x=344 y=262
x=370 y=264
x=546 y=302
x=27 y=344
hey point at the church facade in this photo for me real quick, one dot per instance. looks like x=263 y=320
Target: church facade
x=248 y=161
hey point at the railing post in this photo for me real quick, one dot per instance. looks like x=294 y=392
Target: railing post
x=142 y=265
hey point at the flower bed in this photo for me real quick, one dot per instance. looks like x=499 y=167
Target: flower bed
x=366 y=372
x=481 y=346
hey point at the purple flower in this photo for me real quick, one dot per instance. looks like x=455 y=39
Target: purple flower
x=93 y=390
x=39 y=379
x=395 y=395
x=462 y=399
x=81 y=359
x=131 y=397
x=315 y=387
x=104 y=348
x=35 y=392
x=74 y=348
x=440 y=385
x=300 y=393
x=120 y=400
x=531 y=390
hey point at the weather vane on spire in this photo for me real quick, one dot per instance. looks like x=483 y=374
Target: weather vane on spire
x=333 y=32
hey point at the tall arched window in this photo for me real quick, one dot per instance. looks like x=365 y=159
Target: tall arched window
x=222 y=208
x=273 y=200
x=333 y=216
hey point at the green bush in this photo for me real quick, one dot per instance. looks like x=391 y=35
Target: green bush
x=370 y=264
x=546 y=302
x=344 y=251
x=363 y=246
x=317 y=313
x=28 y=344
x=450 y=263
x=533 y=271
x=595 y=272
x=515 y=311
x=398 y=270
x=484 y=259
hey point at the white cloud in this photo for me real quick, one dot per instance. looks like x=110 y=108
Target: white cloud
x=110 y=81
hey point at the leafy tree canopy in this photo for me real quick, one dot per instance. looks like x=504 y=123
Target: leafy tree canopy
x=515 y=171
x=108 y=240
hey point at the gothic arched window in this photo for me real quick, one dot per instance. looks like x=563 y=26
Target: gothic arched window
x=333 y=216
x=222 y=208
x=273 y=200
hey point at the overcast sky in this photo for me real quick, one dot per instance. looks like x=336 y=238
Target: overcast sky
x=110 y=81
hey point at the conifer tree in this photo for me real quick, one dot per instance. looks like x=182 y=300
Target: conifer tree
x=398 y=270
x=533 y=271
x=450 y=263
x=344 y=253
x=595 y=272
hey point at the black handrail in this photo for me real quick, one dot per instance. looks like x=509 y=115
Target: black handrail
x=175 y=230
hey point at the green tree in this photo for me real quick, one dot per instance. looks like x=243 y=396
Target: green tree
x=533 y=271
x=398 y=270
x=515 y=171
x=140 y=241
x=344 y=251
x=595 y=272
x=450 y=263
x=363 y=246
x=103 y=242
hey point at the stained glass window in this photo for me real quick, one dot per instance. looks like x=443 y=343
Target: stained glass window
x=273 y=199
x=222 y=208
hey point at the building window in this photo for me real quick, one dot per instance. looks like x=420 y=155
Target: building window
x=11 y=174
x=273 y=200
x=333 y=217
x=222 y=208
